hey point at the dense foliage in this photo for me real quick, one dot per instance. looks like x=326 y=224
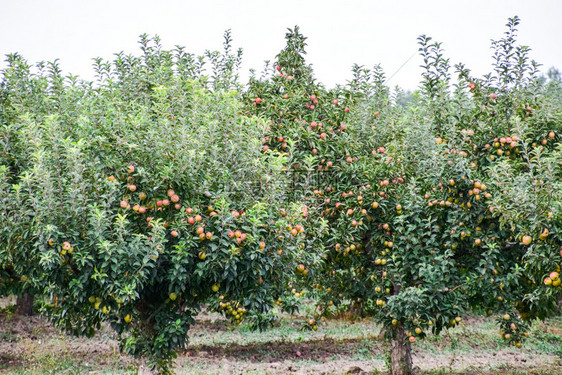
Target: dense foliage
x=163 y=186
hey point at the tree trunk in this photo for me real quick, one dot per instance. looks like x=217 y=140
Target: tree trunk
x=24 y=304
x=400 y=353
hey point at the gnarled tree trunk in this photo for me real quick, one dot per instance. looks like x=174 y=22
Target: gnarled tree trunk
x=24 y=304
x=400 y=353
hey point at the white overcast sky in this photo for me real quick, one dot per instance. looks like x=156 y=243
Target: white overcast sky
x=340 y=32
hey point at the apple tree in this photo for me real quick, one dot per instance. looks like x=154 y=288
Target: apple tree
x=417 y=231
x=133 y=200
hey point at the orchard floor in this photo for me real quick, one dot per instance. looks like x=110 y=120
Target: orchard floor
x=30 y=345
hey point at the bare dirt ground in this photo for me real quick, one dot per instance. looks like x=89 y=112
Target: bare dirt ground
x=31 y=345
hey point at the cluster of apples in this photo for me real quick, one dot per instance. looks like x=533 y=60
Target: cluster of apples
x=512 y=330
x=553 y=279
x=283 y=75
x=232 y=310
x=65 y=248
x=456 y=197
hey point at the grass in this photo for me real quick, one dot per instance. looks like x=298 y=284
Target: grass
x=338 y=347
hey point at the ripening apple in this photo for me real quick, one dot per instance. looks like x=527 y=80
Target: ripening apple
x=131 y=169
x=174 y=233
x=123 y=204
x=527 y=240
x=346 y=109
x=142 y=210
